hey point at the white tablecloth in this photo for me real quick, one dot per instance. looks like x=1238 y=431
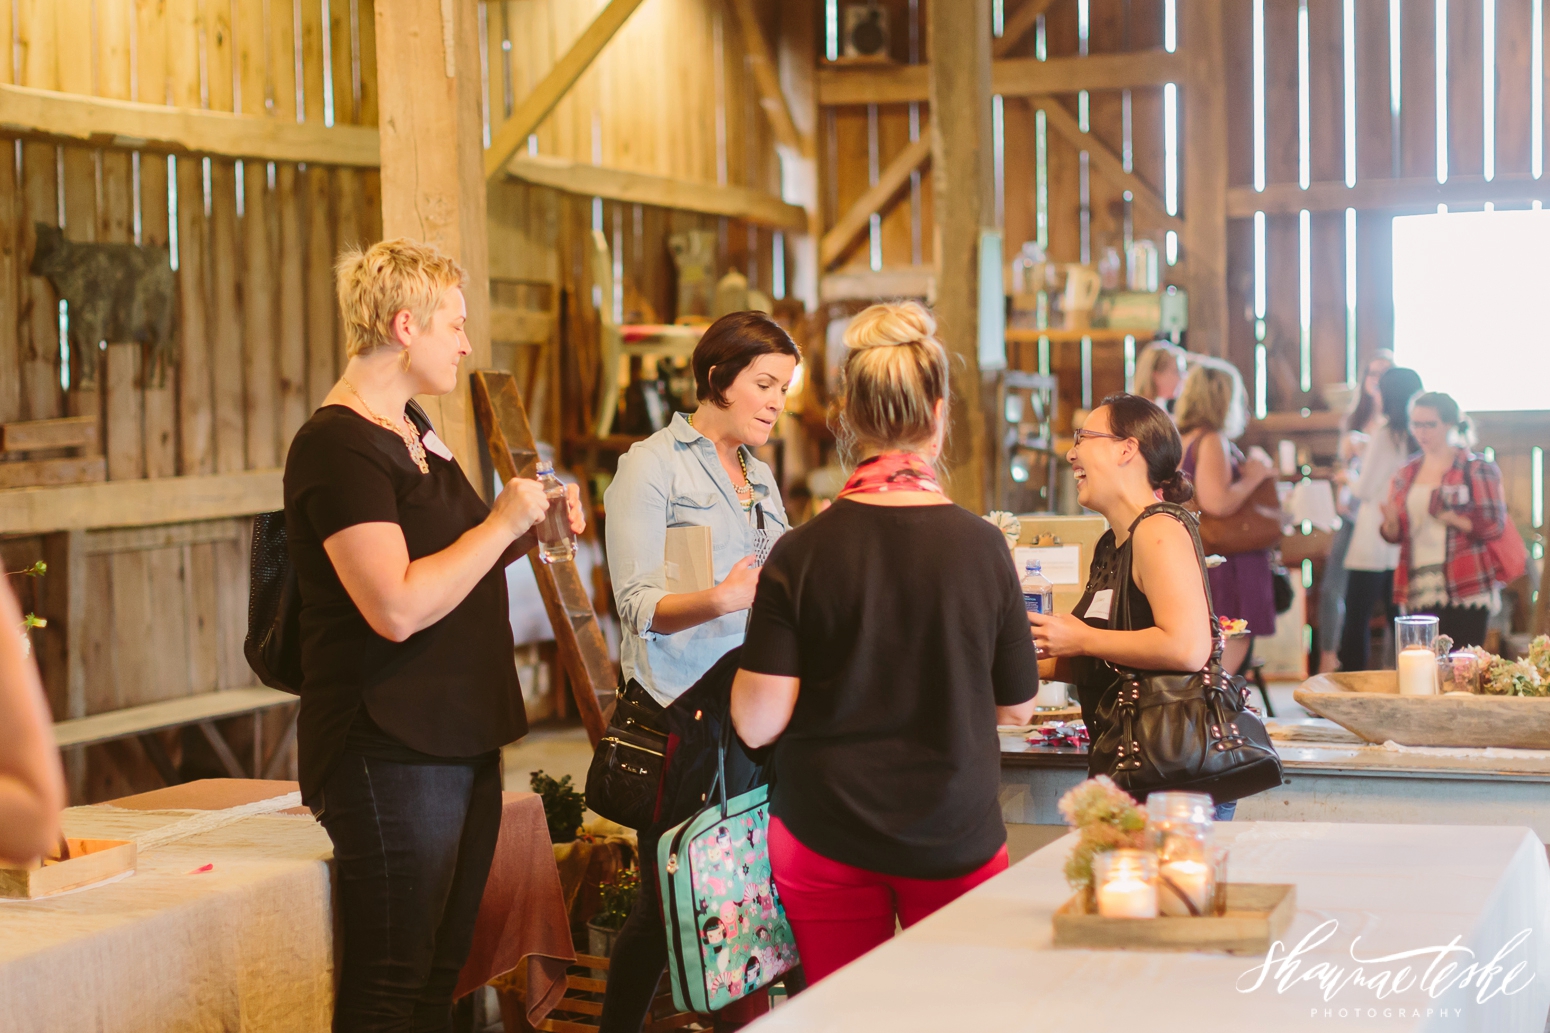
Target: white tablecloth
x=985 y=962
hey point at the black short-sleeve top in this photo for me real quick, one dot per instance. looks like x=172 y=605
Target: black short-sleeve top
x=448 y=691
x=907 y=629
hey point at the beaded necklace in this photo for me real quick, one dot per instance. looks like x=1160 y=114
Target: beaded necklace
x=745 y=490
x=411 y=440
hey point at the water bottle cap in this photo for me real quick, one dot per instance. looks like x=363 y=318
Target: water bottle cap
x=1034 y=567
x=544 y=468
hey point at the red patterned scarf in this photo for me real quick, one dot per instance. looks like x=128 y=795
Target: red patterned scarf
x=892 y=471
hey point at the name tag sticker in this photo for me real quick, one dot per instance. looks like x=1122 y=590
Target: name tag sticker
x=435 y=444
x=1098 y=609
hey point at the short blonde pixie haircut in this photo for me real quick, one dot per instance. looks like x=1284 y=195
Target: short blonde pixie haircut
x=895 y=373
x=390 y=277
x=1213 y=398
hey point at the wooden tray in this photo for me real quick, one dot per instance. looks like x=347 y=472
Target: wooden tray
x=91 y=860
x=1369 y=704
x=1257 y=915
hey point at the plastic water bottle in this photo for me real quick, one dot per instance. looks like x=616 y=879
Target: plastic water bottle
x=1038 y=590
x=556 y=544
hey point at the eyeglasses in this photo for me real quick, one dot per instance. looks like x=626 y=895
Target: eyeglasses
x=1083 y=435
x=1424 y=424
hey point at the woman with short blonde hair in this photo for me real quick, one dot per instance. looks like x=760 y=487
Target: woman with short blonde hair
x=889 y=626
x=408 y=688
x=1212 y=413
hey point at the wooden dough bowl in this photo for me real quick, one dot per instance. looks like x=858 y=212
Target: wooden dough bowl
x=1369 y=704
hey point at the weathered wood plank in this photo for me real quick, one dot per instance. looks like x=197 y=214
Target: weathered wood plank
x=226 y=367
x=291 y=332
x=259 y=366
x=152 y=717
x=138 y=503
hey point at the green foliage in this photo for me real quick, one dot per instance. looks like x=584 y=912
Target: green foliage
x=1527 y=677
x=563 y=806
x=616 y=897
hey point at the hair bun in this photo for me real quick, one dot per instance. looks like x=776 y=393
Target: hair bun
x=1178 y=488
x=890 y=326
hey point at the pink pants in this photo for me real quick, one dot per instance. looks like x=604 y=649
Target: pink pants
x=839 y=912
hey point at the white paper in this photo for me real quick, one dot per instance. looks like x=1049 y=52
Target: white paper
x=436 y=445
x=1062 y=564
x=1098 y=609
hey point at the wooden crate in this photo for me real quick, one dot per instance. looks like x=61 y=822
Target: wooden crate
x=91 y=860
x=1257 y=915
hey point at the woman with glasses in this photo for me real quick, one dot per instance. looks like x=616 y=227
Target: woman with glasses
x=1126 y=456
x=1443 y=506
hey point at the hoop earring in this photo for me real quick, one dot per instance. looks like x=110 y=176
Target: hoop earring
x=403 y=362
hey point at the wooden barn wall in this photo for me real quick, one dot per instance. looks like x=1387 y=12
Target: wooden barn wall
x=258 y=340
x=856 y=141
x=669 y=96
x=1385 y=150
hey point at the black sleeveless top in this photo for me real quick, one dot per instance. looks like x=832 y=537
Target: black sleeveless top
x=1094 y=677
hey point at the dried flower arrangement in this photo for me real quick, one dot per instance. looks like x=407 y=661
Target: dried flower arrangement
x=1529 y=676
x=1105 y=818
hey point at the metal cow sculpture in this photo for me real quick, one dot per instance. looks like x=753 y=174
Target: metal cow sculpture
x=115 y=292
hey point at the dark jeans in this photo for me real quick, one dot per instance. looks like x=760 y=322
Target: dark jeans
x=1365 y=589
x=412 y=848
x=638 y=959
x=1464 y=624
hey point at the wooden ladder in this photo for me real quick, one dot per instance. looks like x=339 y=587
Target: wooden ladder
x=583 y=650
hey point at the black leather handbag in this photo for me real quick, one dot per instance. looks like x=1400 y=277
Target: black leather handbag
x=1181 y=731
x=626 y=769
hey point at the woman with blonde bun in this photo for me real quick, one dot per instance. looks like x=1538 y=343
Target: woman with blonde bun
x=888 y=636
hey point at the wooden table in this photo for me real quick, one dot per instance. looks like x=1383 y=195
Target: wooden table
x=986 y=962
x=1327 y=782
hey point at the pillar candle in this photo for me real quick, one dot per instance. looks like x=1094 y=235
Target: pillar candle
x=1417 y=672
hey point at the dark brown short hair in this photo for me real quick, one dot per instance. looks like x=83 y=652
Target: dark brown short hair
x=729 y=345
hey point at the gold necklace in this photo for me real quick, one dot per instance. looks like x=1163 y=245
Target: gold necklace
x=411 y=440
x=745 y=490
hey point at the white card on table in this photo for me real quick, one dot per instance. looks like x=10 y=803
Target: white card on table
x=1098 y=609
x=435 y=444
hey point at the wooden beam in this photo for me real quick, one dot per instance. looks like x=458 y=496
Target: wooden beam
x=1108 y=164
x=68 y=432
x=535 y=107
x=1019 y=25
x=433 y=181
x=963 y=183
x=1204 y=236
x=1011 y=77
x=1379 y=194
x=102 y=122
x=762 y=63
x=892 y=180
x=866 y=285
x=659 y=191
x=138 y=503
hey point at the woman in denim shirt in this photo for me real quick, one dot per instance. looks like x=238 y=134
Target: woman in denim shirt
x=697 y=471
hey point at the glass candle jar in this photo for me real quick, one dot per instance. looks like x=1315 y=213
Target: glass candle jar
x=1415 y=642
x=1179 y=830
x=1125 y=884
x=1459 y=672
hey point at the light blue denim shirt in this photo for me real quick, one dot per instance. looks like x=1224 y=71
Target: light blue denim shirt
x=673 y=479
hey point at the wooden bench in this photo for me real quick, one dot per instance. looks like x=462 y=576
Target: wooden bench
x=202 y=710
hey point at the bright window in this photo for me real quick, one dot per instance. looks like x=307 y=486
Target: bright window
x=1472 y=306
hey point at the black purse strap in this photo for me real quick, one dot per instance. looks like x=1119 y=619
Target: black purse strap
x=1122 y=587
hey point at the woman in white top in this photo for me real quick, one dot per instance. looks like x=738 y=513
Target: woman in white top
x=1369 y=560
x=1362 y=420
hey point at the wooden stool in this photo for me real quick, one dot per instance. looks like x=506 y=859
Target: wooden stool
x=578 y=1010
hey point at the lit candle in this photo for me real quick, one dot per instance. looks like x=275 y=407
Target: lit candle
x=1127 y=898
x=1417 y=672
x=1193 y=878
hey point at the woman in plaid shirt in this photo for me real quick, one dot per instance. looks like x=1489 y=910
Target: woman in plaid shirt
x=1444 y=505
